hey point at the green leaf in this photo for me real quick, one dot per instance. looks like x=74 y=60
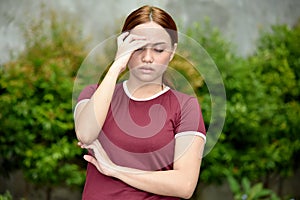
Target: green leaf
x=246 y=185
x=233 y=184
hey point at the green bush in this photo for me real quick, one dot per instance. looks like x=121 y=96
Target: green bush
x=245 y=191
x=37 y=132
x=277 y=67
x=259 y=137
x=6 y=196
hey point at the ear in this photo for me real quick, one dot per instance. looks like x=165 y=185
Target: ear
x=173 y=51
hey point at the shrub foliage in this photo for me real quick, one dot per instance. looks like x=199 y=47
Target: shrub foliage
x=37 y=132
x=259 y=138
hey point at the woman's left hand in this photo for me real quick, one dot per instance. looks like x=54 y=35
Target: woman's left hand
x=100 y=159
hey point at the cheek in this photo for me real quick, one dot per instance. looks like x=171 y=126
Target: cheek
x=133 y=61
x=164 y=58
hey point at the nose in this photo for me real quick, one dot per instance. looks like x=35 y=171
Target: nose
x=147 y=55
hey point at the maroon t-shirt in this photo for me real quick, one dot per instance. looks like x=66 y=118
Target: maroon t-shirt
x=140 y=134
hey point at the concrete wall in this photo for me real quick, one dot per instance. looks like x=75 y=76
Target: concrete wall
x=239 y=20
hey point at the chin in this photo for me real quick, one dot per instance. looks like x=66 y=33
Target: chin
x=149 y=79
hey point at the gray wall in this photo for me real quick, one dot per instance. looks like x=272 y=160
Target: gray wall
x=239 y=20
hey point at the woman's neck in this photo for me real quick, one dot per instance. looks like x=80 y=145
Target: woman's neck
x=142 y=90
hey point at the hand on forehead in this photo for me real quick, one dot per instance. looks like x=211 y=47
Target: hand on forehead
x=153 y=33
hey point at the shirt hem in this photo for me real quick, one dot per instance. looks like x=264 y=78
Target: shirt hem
x=79 y=102
x=194 y=133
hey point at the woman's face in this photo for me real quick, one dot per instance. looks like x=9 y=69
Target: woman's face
x=150 y=62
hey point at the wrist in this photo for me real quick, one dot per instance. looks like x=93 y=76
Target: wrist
x=114 y=70
x=120 y=63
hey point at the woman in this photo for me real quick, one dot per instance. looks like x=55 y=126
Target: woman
x=145 y=139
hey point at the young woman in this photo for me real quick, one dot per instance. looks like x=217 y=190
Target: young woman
x=145 y=139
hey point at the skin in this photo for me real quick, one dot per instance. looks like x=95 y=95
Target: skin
x=147 y=64
x=147 y=50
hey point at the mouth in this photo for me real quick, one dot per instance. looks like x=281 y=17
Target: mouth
x=146 y=69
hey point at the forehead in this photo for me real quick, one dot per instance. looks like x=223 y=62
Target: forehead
x=153 y=32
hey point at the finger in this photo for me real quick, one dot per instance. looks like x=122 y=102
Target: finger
x=93 y=161
x=132 y=38
x=128 y=37
x=81 y=145
x=90 y=159
x=136 y=44
x=123 y=36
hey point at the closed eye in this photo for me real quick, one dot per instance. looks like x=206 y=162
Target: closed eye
x=158 y=50
x=140 y=49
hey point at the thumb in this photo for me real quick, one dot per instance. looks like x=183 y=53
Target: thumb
x=90 y=159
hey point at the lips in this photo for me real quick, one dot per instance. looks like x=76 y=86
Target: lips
x=146 y=69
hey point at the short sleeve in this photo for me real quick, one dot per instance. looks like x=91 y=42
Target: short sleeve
x=85 y=95
x=87 y=92
x=190 y=120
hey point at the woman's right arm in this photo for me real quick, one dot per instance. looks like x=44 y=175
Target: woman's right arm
x=90 y=115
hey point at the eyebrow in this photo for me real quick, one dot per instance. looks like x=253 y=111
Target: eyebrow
x=158 y=43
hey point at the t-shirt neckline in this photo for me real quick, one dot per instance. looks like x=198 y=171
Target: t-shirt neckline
x=166 y=88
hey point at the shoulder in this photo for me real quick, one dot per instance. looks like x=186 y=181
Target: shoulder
x=119 y=86
x=90 y=88
x=183 y=99
x=87 y=92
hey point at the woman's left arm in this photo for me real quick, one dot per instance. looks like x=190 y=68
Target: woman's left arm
x=179 y=182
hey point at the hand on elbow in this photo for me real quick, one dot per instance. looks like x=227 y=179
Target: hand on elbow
x=85 y=137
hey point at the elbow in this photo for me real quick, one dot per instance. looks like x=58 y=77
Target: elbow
x=84 y=140
x=87 y=131
x=188 y=190
x=84 y=137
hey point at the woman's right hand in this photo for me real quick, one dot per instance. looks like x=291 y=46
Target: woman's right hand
x=127 y=43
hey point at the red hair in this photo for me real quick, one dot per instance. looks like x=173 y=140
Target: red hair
x=146 y=14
